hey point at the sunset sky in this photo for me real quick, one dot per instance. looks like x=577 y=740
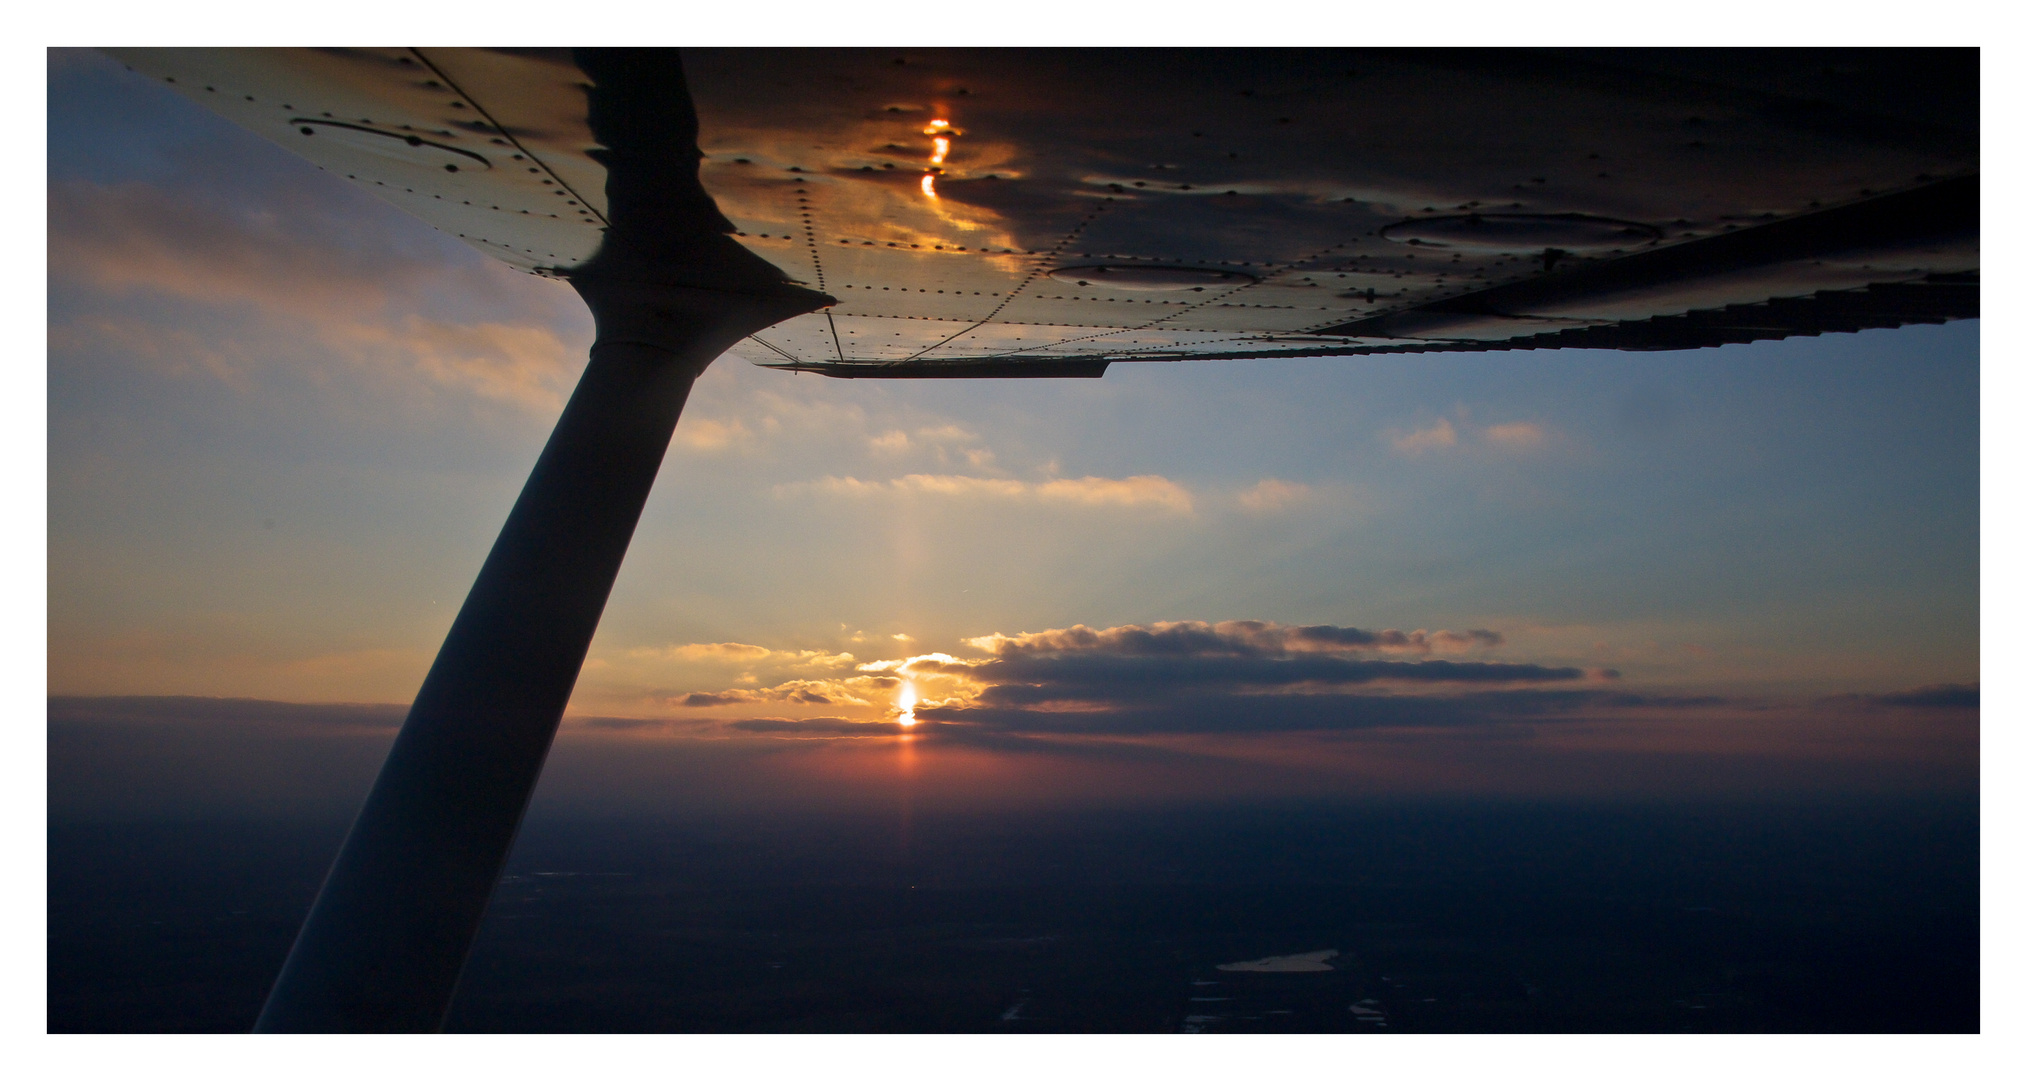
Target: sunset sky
x=286 y=421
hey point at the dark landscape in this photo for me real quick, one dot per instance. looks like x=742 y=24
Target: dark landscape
x=1448 y=917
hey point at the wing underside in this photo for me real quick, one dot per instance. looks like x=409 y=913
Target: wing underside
x=1004 y=213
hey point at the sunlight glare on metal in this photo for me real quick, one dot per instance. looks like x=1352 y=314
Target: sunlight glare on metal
x=942 y=151
x=929 y=185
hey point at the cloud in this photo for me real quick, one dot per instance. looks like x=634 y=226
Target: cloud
x=726 y=651
x=853 y=691
x=707 y=435
x=820 y=726
x=1100 y=680
x=1271 y=495
x=1155 y=492
x=1237 y=675
x=173 y=351
x=1438 y=437
x=619 y=723
x=733 y=652
x=913 y=664
x=1515 y=436
x=1239 y=637
x=137 y=237
x=1131 y=491
x=1233 y=714
x=799 y=692
x=944 y=442
x=525 y=365
x=288 y=251
x=919 y=484
x=313 y=279
x=819 y=658
x=1245 y=677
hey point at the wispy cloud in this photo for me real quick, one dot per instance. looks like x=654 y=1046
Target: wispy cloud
x=1132 y=492
x=818 y=726
x=285 y=253
x=856 y=690
x=734 y=652
x=1237 y=637
x=304 y=279
x=710 y=435
x=799 y=696
x=1156 y=491
x=524 y=365
x=137 y=237
x=1270 y=495
x=1445 y=434
x=1515 y=436
x=891 y=442
x=1438 y=436
x=724 y=651
x=944 y=442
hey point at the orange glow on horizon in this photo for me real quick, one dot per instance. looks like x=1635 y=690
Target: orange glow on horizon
x=906 y=703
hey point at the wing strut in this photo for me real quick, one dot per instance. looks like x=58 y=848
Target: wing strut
x=387 y=938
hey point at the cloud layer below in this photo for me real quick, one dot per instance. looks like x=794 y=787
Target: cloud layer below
x=1236 y=676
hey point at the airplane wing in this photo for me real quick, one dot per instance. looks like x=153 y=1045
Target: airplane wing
x=1008 y=213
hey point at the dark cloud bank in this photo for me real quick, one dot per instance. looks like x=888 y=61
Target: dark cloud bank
x=1070 y=697
x=1234 y=713
x=1956 y=696
x=1251 y=676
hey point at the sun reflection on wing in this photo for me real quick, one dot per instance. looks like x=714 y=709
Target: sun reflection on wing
x=942 y=131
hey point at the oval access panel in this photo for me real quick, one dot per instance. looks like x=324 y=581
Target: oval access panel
x=402 y=146
x=1150 y=278
x=1521 y=232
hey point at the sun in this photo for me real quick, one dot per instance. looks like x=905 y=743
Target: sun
x=906 y=703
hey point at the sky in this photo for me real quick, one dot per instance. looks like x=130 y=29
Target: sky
x=286 y=420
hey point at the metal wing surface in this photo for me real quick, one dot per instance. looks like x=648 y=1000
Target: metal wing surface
x=980 y=213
